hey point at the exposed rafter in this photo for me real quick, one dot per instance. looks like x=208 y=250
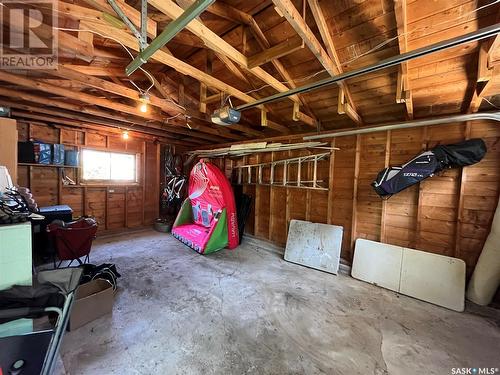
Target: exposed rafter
x=487 y=70
x=282 y=49
x=403 y=90
x=219 y=45
x=485 y=77
x=167 y=59
x=107 y=104
x=234 y=65
x=300 y=26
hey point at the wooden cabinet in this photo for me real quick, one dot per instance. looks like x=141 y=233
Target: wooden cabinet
x=8 y=146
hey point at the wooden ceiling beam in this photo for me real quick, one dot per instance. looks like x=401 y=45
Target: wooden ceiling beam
x=294 y=18
x=403 y=92
x=483 y=83
x=133 y=14
x=100 y=114
x=227 y=53
x=27 y=116
x=169 y=60
x=223 y=10
x=348 y=107
x=105 y=103
x=66 y=115
x=177 y=64
x=241 y=76
x=216 y=43
x=486 y=71
x=52 y=102
x=114 y=88
x=264 y=44
x=284 y=48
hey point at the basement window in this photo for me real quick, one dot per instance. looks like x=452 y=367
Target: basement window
x=104 y=166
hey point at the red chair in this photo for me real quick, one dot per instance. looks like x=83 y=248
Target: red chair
x=72 y=241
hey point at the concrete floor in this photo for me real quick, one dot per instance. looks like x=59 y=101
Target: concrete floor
x=249 y=312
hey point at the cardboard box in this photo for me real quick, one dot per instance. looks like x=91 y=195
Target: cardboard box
x=92 y=300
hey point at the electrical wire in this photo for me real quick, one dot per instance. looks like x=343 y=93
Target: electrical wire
x=148 y=74
x=301 y=79
x=377 y=47
x=490 y=103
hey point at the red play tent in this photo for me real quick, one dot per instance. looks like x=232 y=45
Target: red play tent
x=207 y=221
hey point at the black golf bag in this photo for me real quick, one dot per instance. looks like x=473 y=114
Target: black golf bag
x=394 y=179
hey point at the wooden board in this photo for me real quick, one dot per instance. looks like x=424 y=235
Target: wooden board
x=448 y=214
x=429 y=277
x=314 y=245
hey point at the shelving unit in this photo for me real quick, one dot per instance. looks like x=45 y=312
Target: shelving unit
x=47 y=165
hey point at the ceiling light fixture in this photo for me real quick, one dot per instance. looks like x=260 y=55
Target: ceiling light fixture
x=125 y=135
x=144 y=100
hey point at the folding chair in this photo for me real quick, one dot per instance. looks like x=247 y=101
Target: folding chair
x=73 y=241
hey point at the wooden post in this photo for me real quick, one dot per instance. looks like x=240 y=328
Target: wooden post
x=416 y=244
x=272 y=194
x=288 y=200
x=331 y=182
x=257 y=203
x=460 y=206
x=143 y=181
x=384 y=202
x=355 y=193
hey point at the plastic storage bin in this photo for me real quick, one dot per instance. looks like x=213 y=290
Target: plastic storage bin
x=71 y=158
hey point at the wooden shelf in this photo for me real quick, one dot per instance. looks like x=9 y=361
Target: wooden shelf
x=46 y=165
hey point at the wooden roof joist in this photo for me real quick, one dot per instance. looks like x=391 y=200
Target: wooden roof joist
x=80 y=13
x=293 y=16
x=177 y=64
x=174 y=126
x=219 y=45
x=403 y=89
x=157 y=129
x=22 y=115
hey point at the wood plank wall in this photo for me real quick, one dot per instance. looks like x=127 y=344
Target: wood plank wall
x=448 y=214
x=115 y=207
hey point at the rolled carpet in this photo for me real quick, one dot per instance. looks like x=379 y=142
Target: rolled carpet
x=486 y=276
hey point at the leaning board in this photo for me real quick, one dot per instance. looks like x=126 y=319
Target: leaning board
x=430 y=277
x=377 y=263
x=314 y=245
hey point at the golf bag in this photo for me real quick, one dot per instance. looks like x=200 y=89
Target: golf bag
x=392 y=180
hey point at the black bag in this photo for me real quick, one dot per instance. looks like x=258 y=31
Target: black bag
x=394 y=179
x=105 y=271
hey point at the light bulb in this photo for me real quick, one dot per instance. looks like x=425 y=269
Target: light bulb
x=125 y=135
x=144 y=100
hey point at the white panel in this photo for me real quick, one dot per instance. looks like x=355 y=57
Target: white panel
x=430 y=277
x=433 y=278
x=377 y=263
x=314 y=245
x=15 y=255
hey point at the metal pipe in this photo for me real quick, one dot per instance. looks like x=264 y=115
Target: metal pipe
x=410 y=124
x=168 y=33
x=142 y=41
x=483 y=33
x=144 y=22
